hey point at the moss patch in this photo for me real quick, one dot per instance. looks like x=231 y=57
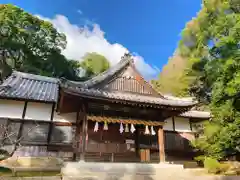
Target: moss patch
x=9 y=173
x=31 y=162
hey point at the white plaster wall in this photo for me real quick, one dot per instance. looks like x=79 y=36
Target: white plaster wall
x=182 y=124
x=38 y=111
x=168 y=124
x=66 y=117
x=11 y=108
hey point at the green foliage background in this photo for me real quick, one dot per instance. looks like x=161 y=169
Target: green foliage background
x=94 y=64
x=32 y=45
x=207 y=65
x=211 y=43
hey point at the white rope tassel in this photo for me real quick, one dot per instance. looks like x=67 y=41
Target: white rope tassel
x=96 y=127
x=105 y=127
x=132 y=128
x=121 y=128
x=152 y=131
x=146 y=130
x=126 y=128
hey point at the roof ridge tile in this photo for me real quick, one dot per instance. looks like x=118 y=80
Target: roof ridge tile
x=102 y=76
x=35 y=77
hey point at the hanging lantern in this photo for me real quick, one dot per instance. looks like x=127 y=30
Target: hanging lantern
x=96 y=127
x=146 y=130
x=126 y=128
x=121 y=128
x=152 y=131
x=132 y=128
x=105 y=127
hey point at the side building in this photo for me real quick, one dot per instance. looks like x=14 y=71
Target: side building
x=116 y=116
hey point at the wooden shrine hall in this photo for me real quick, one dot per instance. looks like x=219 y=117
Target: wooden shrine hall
x=116 y=116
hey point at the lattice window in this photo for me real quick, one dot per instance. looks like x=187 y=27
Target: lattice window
x=63 y=134
x=34 y=133
x=173 y=141
x=3 y=129
x=12 y=132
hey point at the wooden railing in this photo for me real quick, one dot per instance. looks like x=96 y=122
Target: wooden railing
x=106 y=147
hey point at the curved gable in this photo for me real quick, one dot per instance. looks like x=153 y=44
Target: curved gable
x=128 y=80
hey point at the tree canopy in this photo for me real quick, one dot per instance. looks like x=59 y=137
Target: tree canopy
x=32 y=45
x=173 y=78
x=94 y=63
x=210 y=42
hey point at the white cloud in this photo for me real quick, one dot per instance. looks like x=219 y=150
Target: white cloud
x=81 y=40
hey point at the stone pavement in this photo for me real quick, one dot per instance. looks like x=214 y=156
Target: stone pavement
x=126 y=171
x=164 y=176
x=131 y=171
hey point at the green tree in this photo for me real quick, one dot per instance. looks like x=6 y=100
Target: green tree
x=94 y=63
x=211 y=43
x=173 y=78
x=30 y=44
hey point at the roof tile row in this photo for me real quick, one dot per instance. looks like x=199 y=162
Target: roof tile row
x=28 y=86
x=39 y=88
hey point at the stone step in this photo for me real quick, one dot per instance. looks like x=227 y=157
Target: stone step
x=88 y=170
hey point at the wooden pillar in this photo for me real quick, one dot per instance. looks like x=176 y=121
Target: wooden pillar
x=84 y=132
x=50 y=130
x=137 y=142
x=80 y=134
x=76 y=136
x=161 y=144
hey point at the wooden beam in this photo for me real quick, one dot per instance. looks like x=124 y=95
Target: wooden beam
x=77 y=142
x=81 y=131
x=60 y=103
x=84 y=131
x=50 y=130
x=190 y=124
x=137 y=141
x=76 y=137
x=24 y=110
x=173 y=121
x=161 y=144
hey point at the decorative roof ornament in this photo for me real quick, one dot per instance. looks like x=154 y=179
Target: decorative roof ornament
x=128 y=56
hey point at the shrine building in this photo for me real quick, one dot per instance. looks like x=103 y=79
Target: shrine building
x=116 y=116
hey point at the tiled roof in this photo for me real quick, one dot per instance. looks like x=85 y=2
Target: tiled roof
x=196 y=114
x=27 y=86
x=40 y=88
x=127 y=96
x=178 y=98
x=88 y=89
x=103 y=76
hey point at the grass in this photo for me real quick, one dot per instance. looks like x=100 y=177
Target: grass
x=32 y=162
x=8 y=172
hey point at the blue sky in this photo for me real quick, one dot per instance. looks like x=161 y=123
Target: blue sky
x=148 y=28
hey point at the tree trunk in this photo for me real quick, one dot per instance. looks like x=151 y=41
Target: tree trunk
x=5 y=69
